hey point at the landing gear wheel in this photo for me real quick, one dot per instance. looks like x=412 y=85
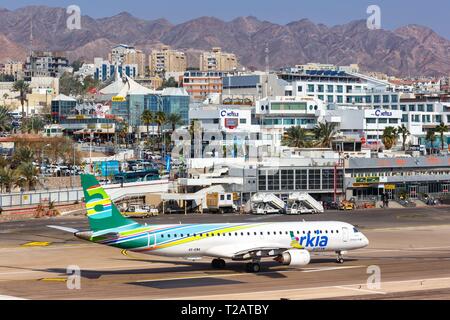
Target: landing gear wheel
x=253 y=267
x=340 y=258
x=218 y=264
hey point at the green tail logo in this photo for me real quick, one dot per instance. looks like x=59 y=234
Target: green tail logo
x=101 y=211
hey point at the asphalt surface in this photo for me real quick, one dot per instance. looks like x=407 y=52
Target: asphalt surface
x=410 y=248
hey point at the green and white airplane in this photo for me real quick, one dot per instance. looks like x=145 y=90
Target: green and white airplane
x=288 y=243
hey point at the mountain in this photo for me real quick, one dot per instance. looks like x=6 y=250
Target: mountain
x=412 y=50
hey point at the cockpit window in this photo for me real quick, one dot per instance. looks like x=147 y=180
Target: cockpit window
x=355 y=230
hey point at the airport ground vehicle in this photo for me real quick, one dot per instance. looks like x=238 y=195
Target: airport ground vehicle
x=221 y=202
x=140 y=211
x=347 y=205
x=303 y=203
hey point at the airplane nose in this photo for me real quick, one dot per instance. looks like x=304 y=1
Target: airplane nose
x=366 y=241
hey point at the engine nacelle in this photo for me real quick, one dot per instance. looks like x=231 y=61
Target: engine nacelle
x=295 y=258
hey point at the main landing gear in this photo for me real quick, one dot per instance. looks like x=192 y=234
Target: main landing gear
x=218 y=264
x=253 y=267
x=340 y=257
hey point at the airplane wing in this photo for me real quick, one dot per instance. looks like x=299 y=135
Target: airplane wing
x=246 y=251
x=259 y=252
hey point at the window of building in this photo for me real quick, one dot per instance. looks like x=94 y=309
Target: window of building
x=412 y=107
x=371 y=120
x=385 y=99
x=421 y=108
x=383 y=120
x=339 y=89
x=429 y=108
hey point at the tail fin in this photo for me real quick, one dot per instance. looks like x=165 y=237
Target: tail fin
x=101 y=211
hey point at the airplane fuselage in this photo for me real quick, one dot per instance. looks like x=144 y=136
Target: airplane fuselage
x=227 y=240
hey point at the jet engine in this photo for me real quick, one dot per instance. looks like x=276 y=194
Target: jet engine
x=294 y=258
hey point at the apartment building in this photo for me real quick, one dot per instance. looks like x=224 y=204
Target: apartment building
x=104 y=70
x=46 y=64
x=11 y=68
x=201 y=84
x=216 y=60
x=167 y=60
x=128 y=55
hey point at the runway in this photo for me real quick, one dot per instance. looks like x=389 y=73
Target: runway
x=410 y=247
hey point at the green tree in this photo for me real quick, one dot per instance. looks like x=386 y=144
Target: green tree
x=160 y=119
x=148 y=118
x=174 y=119
x=297 y=137
x=7 y=178
x=442 y=129
x=404 y=132
x=5 y=119
x=390 y=137
x=23 y=155
x=431 y=138
x=27 y=176
x=23 y=88
x=70 y=86
x=169 y=83
x=325 y=134
x=32 y=125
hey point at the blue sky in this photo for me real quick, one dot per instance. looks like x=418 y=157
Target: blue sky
x=432 y=13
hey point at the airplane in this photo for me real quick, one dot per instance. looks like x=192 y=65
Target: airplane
x=288 y=243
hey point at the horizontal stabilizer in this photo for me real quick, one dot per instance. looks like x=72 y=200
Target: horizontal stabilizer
x=71 y=230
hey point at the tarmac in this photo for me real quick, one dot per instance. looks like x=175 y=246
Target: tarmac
x=409 y=247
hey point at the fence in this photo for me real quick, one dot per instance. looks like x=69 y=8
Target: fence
x=34 y=198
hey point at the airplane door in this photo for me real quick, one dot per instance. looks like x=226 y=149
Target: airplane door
x=345 y=234
x=151 y=240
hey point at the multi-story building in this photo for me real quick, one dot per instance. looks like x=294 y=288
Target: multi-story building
x=12 y=68
x=104 y=70
x=253 y=86
x=167 y=60
x=216 y=60
x=46 y=64
x=285 y=112
x=128 y=55
x=201 y=84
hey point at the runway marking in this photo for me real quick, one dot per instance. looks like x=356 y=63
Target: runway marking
x=54 y=279
x=225 y=275
x=37 y=244
x=360 y=290
x=10 y=298
x=347 y=287
x=400 y=249
x=332 y=268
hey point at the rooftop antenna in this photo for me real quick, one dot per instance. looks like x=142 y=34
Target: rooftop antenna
x=267 y=68
x=31 y=36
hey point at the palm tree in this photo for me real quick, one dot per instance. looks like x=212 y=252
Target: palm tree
x=27 y=175
x=325 y=133
x=32 y=125
x=5 y=119
x=390 y=137
x=403 y=130
x=22 y=87
x=7 y=178
x=431 y=137
x=297 y=137
x=160 y=119
x=147 y=118
x=23 y=155
x=441 y=129
x=174 y=119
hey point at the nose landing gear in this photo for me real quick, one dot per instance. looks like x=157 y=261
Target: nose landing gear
x=340 y=257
